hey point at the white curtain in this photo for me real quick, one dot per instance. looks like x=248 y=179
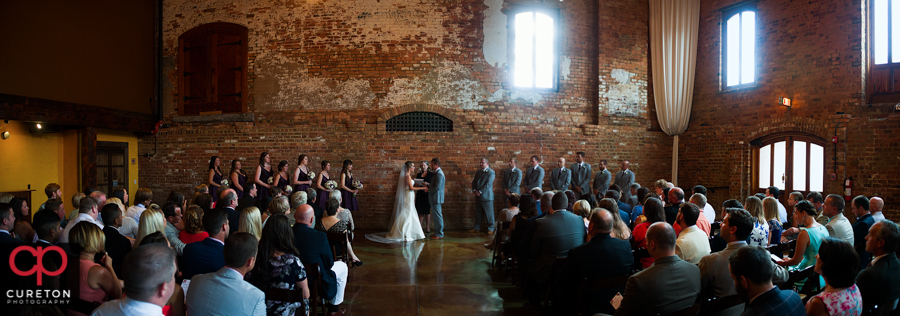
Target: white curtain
x=673 y=49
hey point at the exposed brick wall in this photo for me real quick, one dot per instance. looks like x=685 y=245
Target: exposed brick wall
x=325 y=75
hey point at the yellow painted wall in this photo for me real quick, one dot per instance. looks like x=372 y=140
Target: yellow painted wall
x=106 y=135
x=37 y=160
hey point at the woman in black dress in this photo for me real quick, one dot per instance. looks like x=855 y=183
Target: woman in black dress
x=238 y=178
x=263 y=174
x=215 y=177
x=422 y=205
x=281 y=178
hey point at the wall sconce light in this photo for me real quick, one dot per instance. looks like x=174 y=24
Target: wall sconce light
x=784 y=102
x=39 y=126
x=4 y=135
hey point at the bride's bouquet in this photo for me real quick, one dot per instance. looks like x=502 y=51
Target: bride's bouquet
x=357 y=185
x=224 y=183
x=311 y=175
x=330 y=185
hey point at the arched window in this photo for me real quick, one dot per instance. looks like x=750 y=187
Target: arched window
x=535 y=60
x=790 y=162
x=212 y=64
x=419 y=122
x=739 y=47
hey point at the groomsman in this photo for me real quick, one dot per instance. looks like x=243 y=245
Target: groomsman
x=483 y=189
x=560 y=177
x=624 y=179
x=512 y=179
x=601 y=180
x=581 y=176
x=534 y=176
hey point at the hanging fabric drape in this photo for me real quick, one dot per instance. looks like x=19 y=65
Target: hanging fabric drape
x=673 y=50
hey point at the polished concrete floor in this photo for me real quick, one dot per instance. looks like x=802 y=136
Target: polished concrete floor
x=444 y=277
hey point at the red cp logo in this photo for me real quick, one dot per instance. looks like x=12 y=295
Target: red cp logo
x=39 y=267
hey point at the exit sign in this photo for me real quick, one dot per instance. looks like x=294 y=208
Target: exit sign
x=785 y=101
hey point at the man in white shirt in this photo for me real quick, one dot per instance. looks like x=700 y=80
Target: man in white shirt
x=838 y=225
x=149 y=276
x=782 y=212
x=876 y=204
x=708 y=210
x=692 y=244
x=87 y=212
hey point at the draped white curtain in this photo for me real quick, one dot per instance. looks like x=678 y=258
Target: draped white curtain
x=673 y=48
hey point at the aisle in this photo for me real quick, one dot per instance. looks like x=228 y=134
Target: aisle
x=449 y=277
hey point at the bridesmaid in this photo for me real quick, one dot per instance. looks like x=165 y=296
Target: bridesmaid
x=301 y=174
x=238 y=178
x=348 y=191
x=263 y=173
x=281 y=179
x=321 y=178
x=215 y=177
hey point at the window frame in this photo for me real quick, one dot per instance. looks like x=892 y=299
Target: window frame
x=728 y=12
x=182 y=60
x=554 y=13
x=789 y=138
x=893 y=68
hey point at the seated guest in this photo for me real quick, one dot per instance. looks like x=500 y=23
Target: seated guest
x=860 y=207
x=838 y=225
x=312 y=247
x=22 y=227
x=507 y=215
x=536 y=194
x=277 y=266
x=312 y=199
x=227 y=202
x=838 y=264
x=249 y=198
x=206 y=256
x=571 y=196
x=149 y=278
x=879 y=283
x=250 y=222
x=716 y=243
x=554 y=235
x=653 y=210
x=638 y=209
x=692 y=244
x=46 y=226
x=602 y=257
x=520 y=226
x=620 y=229
x=707 y=209
x=332 y=223
x=615 y=208
x=676 y=197
x=702 y=223
x=193 y=225
x=760 y=234
x=343 y=214
x=142 y=199
x=583 y=209
x=809 y=240
x=128 y=227
x=624 y=208
x=775 y=193
x=7 y=222
x=770 y=210
x=117 y=246
x=86 y=213
x=152 y=220
x=669 y=285
x=97 y=283
x=280 y=205
x=876 y=205
x=204 y=200
x=224 y=292
x=76 y=204
x=172 y=212
x=57 y=207
x=752 y=275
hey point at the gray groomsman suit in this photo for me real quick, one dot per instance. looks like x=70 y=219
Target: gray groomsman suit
x=534 y=178
x=560 y=178
x=436 y=198
x=512 y=180
x=484 y=206
x=601 y=183
x=581 y=177
x=624 y=179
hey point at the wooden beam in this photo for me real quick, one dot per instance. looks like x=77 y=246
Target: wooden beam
x=28 y=109
x=89 y=157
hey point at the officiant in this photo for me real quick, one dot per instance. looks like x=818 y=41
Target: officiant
x=422 y=205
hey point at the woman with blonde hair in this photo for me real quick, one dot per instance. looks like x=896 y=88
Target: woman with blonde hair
x=770 y=210
x=620 y=229
x=759 y=236
x=129 y=227
x=583 y=208
x=193 y=225
x=97 y=282
x=251 y=222
x=152 y=220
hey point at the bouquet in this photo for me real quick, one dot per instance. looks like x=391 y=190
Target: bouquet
x=330 y=185
x=311 y=175
x=357 y=185
x=224 y=183
x=288 y=189
x=270 y=180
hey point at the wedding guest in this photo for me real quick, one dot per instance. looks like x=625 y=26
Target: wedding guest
x=752 y=276
x=507 y=215
x=204 y=201
x=151 y=221
x=348 y=188
x=534 y=176
x=97 y=283
x=571 y=196
x=312 y=199
x=122 y=194
x=838 y=225
x=602 y=180
x=193 y=225
x=702 y=223
x=201 y=189
x=623 y=209
x=52 y=191
x=227 y=204
x=554 y=235
x=250 y=222
x=7 y=220
x=809 y=240
x=560 y=177
x=876 y=205
x=128 y=227
x=838 y=264
x=321 y=178
x=116 y=245
x=249 y=198
x=223 y=291
x=332 y=224
x=343 y=214
x=238 y=178
x=172 y=213
x=483 y=189
x=770 y=210
x=759 y=236
x=149 y=283
x=692 y=243
x=22 y=227
x=583 y=208
x=215 y=177
x=312 y=246
x=638 y=210
x=76 y=204
x=512 y=179
x=86 y=213
x=653 y=210
x=142 y=199
x=207 y=255
x=520 y=226
x=620 y=229
x=302 y=180
x=56 y=206
x=708 y=211
x=263 y=176
x=775 y=193
x=536 y=194
x=660 y=187
x=297 y=199
x=278 y=266
x=624 y=179
x=879 y=282
x=423 y=207
x=860 y=207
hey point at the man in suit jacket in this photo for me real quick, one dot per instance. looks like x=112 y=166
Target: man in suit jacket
x=602 y=180
x=534 y=176
x=669 y=285
x=600 y=258
x=554 y=235
x=313 y=248
x=7 y=222
x=436 y=198
x=624 y=179
x=879 y=283
x=560 y=177
x=151 y=282
x=676 y=197
x=838 y=225
x=206 y=256
x=117 y=246
x=751 y=270
x=224 y=292
x=227 y=203
x=483 y=189
x=864 y=221
x=249 y=198
x=312 y=200
x=581 y=176
x=512 y=179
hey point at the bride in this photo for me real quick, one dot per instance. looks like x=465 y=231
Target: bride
x=405 y=224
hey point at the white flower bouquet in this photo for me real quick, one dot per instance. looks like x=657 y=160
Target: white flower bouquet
x=270 y=180
x=311 y=175
x=288 y=189
x=330 y=185
x=357 y=185
x=224 y=183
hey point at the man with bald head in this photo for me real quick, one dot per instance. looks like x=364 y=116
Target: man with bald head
x=313 y=248
x=675 y=198
x=669 y=285
x=228 y=203
x=560 y=177
x=554 y=235
x=876 y=205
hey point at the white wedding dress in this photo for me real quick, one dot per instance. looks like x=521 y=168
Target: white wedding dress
x=405 y=224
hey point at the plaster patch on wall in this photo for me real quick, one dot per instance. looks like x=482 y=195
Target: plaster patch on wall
x=495 y=34
x=284 y=85
x=448 y=84
x=564 y=67
x=625 y=95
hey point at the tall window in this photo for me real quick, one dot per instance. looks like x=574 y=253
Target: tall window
x=534 y=51
x=739 y=34
x=212 y=69
x=885 y=44
x=790 y=163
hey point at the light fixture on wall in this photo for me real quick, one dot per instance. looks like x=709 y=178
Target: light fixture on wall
x=4 y=135
x=784 y=102
x=39 y=126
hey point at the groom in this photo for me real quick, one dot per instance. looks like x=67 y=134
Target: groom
x=436 y=198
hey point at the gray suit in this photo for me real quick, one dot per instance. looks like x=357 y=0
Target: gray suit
x=624 y=179
x=560 y=178
x=669 y=285
x=534 y=178
x=715 y=278
x=581 y=177
x=601 y=182
x=224 y=292
x=554 y=235
x=512 y=180
x=436 y=198
x=484 y=206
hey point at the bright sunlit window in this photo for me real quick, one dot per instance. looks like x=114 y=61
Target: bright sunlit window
x=534 y=50
x=740 y=48
x=791 y=163
x=886 y=31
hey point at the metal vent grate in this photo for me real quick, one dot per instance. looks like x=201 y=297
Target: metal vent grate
x=419 y=122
